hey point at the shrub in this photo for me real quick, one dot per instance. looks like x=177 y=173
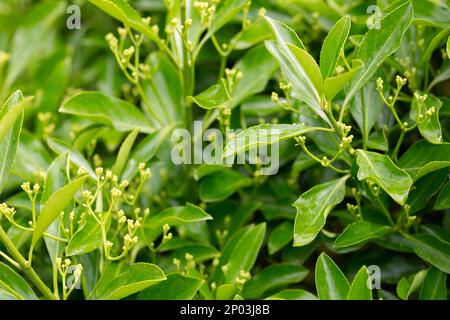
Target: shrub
x=222 y=150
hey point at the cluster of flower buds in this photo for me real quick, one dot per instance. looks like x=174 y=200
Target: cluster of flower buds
x=7 y=212
x=233 y=76
x=243 y=278
x=145 y=173
x=166 y=234
x=64 y=269
x=206 y=11
x=190 y=261
x=344 y=128
x=346 y=141
x=32 y=192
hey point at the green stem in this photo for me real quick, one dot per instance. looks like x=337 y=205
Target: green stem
x=25 y=266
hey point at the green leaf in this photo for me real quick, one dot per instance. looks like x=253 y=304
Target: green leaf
x=333 y=85
x=360 y=289
x=409 y=285
x=443 y=198
x=281 y=236
x=379 y=169
x=272 y=277
x=165 y=92
x=333 y=45
x=177 y=216
x=425 y=188
x=145 y=151
x=222 y=184
x=137 y=277
x=310 y=66
x=434 y=285
x=226 y=292
x=313 y=207
x=10 y=142
x=122 y=11
x=62 y=147
x=284 y=34
x=55 y=204
x=434 y=44
x=331 y=283
x=293 y=294
x=14 y=285
x=10 y=114
x=255 y=33
x=265 y=134
x=124 y=152
x=430 y=129
x=431 y=13
x=257 y=67
x=110 y=111
x=176 y=287
x=33 y=38
x=56 y=178
x=245 y=252
x=379 y=44
x=225 y=12
x=86 y=239
x=431 y=249
x=424 y=157
x=360 y=232
x=216 y=96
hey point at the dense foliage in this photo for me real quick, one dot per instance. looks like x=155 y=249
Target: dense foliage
x=349 y=97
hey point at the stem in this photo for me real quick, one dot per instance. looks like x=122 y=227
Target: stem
x=25 y=266
x=398 y=145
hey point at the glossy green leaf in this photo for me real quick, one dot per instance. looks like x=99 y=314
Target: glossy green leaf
x=313 y=207
x=244 y=253
x=225 y=12
x=333 y=85
x=124 y=152
x=56 y=178
x=221 y=185
x=177 y=216
x=409 y=285
x=10 y=114
x=61 y=147
x=10 y=141
x=226 y=292
x=15 y=285
x=443 y=199
x=176 y=287
x=310 y=66
x=431 y=249
x=331 y=283
x=359 y=289
x=272 y=277
x=434 y=285
x=431 y=128
x=55 y=204
x=145 y=151
x=216 y=96
x=257 y=67
x=333 y=45
x=102 y=109
x=424 y=157
x=281 y=236
x=379 y=169
x=360 y=232
x=86 y=239
x=122 y=11
x=165 y=92
x=265 y=134
x=431 y=13
x=293 y=294
x=378 y=44
x=137 y=277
